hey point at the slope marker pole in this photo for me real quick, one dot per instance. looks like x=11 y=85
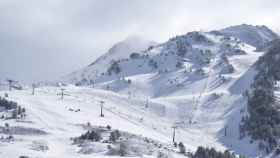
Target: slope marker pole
x=101 y=108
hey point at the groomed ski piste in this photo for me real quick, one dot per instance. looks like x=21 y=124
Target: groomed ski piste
x=206 y=112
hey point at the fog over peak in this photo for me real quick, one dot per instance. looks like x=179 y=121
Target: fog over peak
x=43 y=40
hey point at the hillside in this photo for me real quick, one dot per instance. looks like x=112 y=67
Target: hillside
x=190 y=51
x=120 y=50
x=198 y=83
x=262 y=120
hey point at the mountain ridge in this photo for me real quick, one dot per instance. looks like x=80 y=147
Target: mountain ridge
x=257 y=36
x=226 y=32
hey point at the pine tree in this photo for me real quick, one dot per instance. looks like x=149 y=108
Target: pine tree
x=123 y=149
x=182 y=148
x=114 y=135
x=15 y=113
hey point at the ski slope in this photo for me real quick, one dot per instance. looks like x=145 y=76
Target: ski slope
x=201 y=116
x=47 y=112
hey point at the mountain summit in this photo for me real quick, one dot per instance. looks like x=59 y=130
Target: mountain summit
x=120 y=50
x=256 y=36
x=124 y=48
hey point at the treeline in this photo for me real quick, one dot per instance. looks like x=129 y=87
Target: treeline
x=263 y=121
x=13 y=107
x=204 y=152
x=6 y=104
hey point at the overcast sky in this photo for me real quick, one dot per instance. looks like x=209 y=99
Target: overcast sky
x=45 y=39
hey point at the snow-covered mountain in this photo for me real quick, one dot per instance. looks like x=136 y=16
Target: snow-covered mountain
x=172 y=54
x=257 y=36
x=120 y=50
x=195 y=68
x=124 y=48
x=199 y=83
